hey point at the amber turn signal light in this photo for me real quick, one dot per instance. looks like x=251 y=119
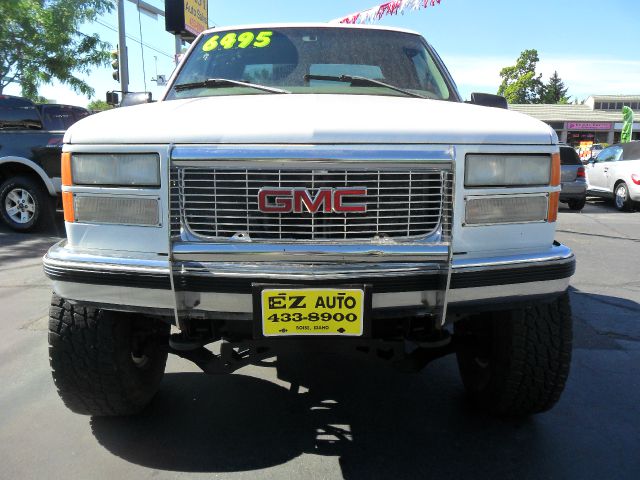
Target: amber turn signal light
x=66 y=168
x=555 y=169
x=552 y=213
x=67 y=206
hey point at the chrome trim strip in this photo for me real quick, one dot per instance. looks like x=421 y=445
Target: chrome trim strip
x=510 y=293
x=302 y=272
x=356 y=153
x=258 y=252
x=115 y=295
x=61 y=255
x=314 y=164
x=556 y=253
x=420 y=258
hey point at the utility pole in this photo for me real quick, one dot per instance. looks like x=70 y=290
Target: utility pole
x=178 y=48
x=122 y=46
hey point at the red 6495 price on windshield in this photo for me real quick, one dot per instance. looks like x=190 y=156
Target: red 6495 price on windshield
x=326 y=311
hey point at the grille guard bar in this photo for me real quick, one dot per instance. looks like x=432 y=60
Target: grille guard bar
x=437 y=249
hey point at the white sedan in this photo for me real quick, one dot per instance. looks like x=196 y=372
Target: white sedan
x=615 y=172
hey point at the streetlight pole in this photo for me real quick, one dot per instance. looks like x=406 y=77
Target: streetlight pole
x=178 y=48
x=122 y=47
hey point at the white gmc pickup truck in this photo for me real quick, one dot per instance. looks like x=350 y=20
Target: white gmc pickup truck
x=310 y=187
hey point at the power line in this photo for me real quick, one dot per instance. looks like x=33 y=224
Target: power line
x=213 y=23
x=110 y=27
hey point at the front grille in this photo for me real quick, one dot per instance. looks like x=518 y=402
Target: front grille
x=223 y=202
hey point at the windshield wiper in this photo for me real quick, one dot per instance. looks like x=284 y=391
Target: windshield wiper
x=225 y=82
x=356 y=81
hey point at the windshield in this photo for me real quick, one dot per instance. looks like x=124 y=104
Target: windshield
x=290 y=58
x=61 y=117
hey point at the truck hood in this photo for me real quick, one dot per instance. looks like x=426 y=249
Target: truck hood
x=309 y=118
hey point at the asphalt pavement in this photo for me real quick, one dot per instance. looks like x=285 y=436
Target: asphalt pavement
x=349 y=419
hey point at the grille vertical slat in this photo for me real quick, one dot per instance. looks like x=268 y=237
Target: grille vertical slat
x=220 y=202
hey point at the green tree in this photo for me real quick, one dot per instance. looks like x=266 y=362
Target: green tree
x=99 y=106
x=554 y=90
x=39 y=99
x=40 y=42
x=520 y=84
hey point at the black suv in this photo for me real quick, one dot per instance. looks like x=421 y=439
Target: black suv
x=30 y=146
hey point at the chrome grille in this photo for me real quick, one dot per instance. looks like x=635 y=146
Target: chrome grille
x=222 y=202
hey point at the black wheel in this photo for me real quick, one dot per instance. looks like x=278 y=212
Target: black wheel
x=24 y=203
x=103 y=362
x=577 y=204
x=621 y=197
x=516 y=363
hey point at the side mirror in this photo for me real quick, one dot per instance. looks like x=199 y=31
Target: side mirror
x=488 y=100
x=112 y=98
x=135 y=98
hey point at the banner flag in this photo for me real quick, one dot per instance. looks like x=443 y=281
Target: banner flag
x=627 y=125
x=390 y=8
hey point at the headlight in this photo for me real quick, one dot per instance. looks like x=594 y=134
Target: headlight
x=506 y=209
x=120 y=210
x=127 y=170
x=507 y=170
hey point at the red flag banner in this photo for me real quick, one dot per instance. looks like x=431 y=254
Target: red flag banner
x=390 y=8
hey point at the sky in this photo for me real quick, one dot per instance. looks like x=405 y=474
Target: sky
x=475 y=39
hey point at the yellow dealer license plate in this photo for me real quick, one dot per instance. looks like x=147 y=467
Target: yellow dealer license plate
x=312 y=311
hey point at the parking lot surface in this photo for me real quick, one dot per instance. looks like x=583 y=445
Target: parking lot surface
x=349 y=419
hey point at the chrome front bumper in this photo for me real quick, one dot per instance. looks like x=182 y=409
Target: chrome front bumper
x=223 y=289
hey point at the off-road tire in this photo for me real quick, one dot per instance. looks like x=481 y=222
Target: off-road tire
x=515 y=363
x=105 y=363
x=39 y=198
x=576 y=204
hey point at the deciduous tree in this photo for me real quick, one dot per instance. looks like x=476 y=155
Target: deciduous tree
x=520 y=84
x=99 y=106
x=40 y=42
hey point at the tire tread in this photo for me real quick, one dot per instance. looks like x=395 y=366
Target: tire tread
x=530 y=359
x=83 y=353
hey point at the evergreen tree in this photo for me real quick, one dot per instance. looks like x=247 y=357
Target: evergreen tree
x=555 y=91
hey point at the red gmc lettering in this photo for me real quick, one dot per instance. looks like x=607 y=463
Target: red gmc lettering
x=280 y=204
x=338 y=195
x=298 y=200
x=302 y=196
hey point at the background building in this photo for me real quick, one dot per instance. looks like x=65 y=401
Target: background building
x=598 y=120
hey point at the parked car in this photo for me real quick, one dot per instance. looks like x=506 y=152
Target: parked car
x=615 y=173
x=592 y=152
x=573 y=178
x=30 y=148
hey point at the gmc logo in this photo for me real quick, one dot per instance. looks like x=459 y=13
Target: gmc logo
x=298 y=200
